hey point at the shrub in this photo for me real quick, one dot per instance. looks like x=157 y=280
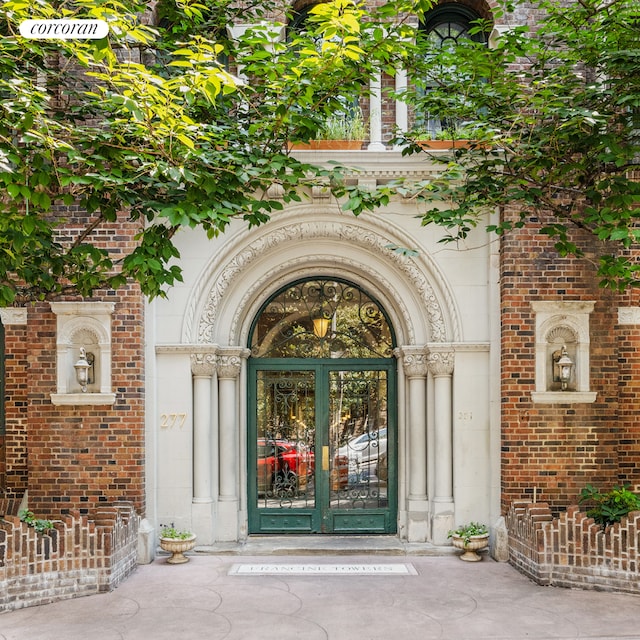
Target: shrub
x=41 y=526
x=610 y=507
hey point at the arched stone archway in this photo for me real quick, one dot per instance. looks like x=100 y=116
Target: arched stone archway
x=412 y=288
x=236 y=277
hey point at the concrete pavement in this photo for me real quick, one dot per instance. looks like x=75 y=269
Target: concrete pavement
x=345 y=594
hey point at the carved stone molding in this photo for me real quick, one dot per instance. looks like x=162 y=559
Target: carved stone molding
x=220 y=279
x=441 y=362
x=83 y=327
x=229 y=361
x=414 y=361
x=562 y=323
x=203 y=364
x=13 y=315
x=627 y=315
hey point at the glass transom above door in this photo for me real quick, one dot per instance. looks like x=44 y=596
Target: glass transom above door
x=321 y=318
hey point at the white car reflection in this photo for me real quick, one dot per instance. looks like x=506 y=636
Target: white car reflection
x=362 y=455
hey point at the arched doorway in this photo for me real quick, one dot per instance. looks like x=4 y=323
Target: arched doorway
x=322 y=437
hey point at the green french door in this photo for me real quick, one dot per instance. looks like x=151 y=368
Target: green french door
x=322 y=449
x=321 y=453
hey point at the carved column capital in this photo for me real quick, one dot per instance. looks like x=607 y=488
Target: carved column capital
x=203 y=364
x=230 y=361
x=441 y=362
x=414 y=362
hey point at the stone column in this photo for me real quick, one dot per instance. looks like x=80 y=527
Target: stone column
x=203 y=367
x=441 y=367
x=229 y=366
x=414 y=364
x=402 y=111
x=375 y=115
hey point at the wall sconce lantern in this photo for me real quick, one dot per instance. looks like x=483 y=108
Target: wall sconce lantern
x=83 y=368
x=564 y=367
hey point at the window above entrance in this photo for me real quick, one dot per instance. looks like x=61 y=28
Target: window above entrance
x=322 y=318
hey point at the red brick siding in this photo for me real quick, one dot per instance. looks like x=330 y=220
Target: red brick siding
x=16 y=408
x=556 y=449
x=77 y=457
x=629 y=398
x=81 y=457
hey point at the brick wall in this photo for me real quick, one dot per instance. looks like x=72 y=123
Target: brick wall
x=80 y=557
x=572 y=551
x=86 y=456
x=76 y=457
x=16 y=404
x=628 y=451
x=554 y=450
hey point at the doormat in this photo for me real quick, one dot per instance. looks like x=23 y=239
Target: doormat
x=395 y=569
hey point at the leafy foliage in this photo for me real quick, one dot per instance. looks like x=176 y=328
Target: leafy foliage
x=466 y=531
x=172 y=532
x=148 y=128
x=610 y=507
x=556 y=112
x=40 y=525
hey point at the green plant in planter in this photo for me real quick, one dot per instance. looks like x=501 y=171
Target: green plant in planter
x=466 y=531
x=40 y=525
x=173 y=533
x=345 y=126
x=457 y=133
x=610 y=507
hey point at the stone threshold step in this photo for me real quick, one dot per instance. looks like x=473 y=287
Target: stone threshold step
x=324 y=544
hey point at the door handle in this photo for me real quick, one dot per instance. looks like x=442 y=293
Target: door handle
x=325 y=458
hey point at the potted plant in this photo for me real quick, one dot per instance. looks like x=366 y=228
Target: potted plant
x=176 y=543
x=452 y=137
x=471 y=538
x=339 y=131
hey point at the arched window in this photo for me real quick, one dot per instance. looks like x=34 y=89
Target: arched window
x=298 y=20
x=445 y=27
x=448 y=23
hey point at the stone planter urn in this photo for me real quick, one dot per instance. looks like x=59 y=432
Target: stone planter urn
x=471 y=538
x=177 y=547
x=471 y=546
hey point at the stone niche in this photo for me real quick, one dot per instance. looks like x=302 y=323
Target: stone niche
x=562 y=327
x=83 y=330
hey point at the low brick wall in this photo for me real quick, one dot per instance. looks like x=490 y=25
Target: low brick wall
x=573 y=551
x=79 y=557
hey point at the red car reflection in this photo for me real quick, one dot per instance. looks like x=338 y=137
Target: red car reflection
x=283 y=463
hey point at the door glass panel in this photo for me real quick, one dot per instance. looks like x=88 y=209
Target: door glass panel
x=285 y=460
x=358 y=439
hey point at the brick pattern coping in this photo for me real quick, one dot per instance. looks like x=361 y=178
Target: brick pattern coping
x=572 y=550
x=79 y=557
x=9 y=506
